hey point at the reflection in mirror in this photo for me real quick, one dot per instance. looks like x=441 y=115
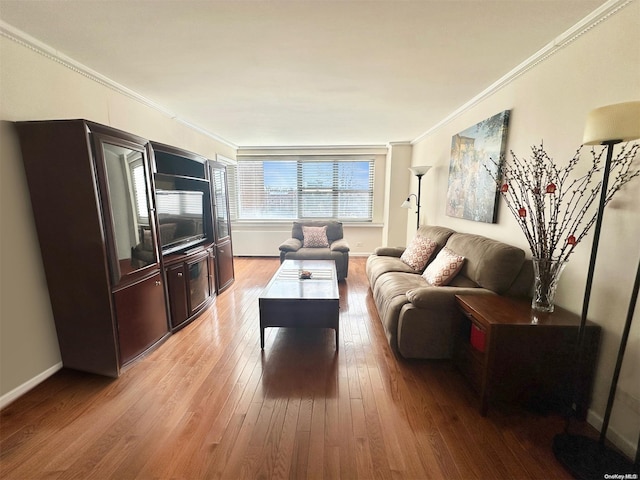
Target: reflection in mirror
x=133 y=238
x=222 y=226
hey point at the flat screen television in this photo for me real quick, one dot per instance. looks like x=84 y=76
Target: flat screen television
x=181 y=219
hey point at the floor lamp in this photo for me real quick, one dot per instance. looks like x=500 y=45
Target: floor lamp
x=584 y=457
x=418 y=172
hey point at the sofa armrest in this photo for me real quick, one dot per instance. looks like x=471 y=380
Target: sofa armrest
x=389 y=251
x=339 y=245
x=290 y=245
x=431 y=297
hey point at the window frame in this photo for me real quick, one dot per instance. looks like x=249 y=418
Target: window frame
x=302 y=191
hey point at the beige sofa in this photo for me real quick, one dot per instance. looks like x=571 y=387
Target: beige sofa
x=419 y=319
x=337 y=250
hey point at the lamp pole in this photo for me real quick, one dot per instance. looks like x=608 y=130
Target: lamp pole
x=419 y=172
x=583 y=456
x=418 y=200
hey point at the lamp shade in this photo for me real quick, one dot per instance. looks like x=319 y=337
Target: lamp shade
x=420 y=170
x=406 y=203
x=614 y=123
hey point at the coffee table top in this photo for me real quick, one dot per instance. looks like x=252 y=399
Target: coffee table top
x=286 y=285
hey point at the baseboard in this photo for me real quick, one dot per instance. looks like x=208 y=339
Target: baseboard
x=9 y=397
x=625 y=445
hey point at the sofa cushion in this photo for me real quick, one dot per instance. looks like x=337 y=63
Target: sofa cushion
x=379 y=265
x=443 y=268
x=314 y=237
x=418 y=252
x=489 y=263
x=440 y=235
x=314 y=253
x=389 y=294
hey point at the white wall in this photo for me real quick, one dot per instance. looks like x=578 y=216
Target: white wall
x=262 y=239
x=395 y=190
x=550 y=102
x=36 y=87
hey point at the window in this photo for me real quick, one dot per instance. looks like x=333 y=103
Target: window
x=281 y=188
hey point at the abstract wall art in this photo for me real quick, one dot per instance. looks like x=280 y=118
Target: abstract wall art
x=472 y=192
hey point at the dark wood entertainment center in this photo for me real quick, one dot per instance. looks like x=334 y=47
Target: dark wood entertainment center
x=122 y=274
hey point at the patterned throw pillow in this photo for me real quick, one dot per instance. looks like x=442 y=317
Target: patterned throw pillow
x=315 y=237
x=418 y=252
x=443 y=268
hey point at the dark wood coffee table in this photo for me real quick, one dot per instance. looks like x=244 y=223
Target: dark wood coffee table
x=288 y=301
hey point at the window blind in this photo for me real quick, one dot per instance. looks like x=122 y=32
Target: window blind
x=302 y=187
x=179 y=202
x=140 y=191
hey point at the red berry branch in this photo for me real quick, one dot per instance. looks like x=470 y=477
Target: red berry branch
x=553 y=209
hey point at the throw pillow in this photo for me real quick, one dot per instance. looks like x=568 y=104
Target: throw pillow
x=444 y=267
x=315 y=237
x=418 y=252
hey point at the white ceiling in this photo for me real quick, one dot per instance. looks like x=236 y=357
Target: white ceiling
x=277 y=73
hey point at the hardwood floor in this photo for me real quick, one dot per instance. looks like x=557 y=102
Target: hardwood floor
x=210 y=404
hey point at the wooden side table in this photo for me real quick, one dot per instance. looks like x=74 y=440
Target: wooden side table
x=510 y=352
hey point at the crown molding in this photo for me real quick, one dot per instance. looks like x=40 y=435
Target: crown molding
x=41 y=48
x=596 y=17
x=313 y=150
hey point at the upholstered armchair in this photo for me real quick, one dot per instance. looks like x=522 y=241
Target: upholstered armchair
x=317 y=240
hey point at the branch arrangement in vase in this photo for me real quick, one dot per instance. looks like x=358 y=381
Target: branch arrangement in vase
x=551 y=206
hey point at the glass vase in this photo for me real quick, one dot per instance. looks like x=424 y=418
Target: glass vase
x=546 y=277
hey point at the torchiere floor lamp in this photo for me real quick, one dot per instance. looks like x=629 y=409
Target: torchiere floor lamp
x=584 y=457
x=418 y=172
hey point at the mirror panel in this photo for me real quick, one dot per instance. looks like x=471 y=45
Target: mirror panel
x=133 y=235
x=220 y=201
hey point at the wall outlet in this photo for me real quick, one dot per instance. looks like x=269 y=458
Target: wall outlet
x=359 y=244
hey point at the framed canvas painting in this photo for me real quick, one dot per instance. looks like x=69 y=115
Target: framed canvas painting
x=472 y=192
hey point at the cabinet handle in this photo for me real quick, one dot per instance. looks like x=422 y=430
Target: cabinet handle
x=158 y=283
x=179 y=274
x=221 y=251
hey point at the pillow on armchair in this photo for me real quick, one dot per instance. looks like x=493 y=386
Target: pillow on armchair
x=334 y=229
x=315 y=237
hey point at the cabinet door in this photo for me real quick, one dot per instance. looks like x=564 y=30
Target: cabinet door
x=141 y=317
x=212 y=271
x=199 y=292
x=224 y=272
x=129 y=217
x=178 y=302
x=221 y=222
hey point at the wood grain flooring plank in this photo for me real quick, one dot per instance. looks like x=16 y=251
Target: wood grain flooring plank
x=286 y=442
x=300 y=458
x=210 y=404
